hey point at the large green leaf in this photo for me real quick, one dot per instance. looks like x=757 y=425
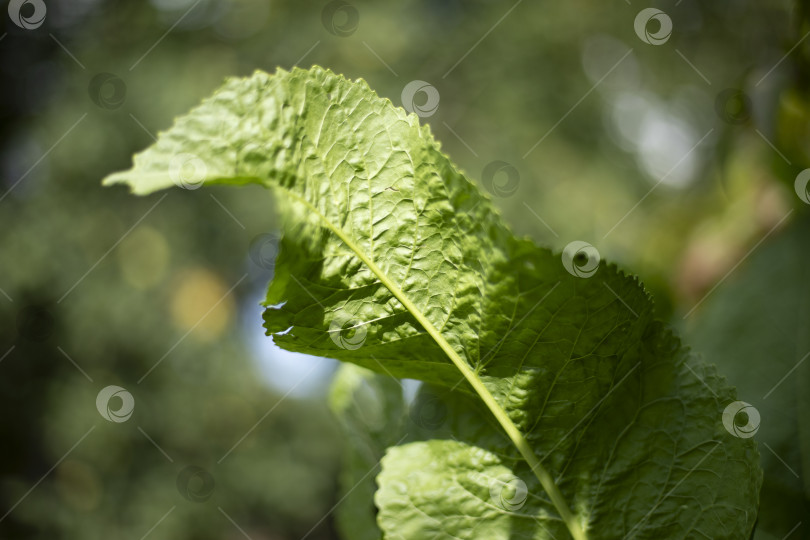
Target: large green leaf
x=392 y=259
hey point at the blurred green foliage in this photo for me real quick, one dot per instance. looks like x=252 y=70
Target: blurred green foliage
x=755 y=329
x=90 y=276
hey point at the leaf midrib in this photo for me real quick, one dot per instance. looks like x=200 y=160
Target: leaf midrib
x=486 y=396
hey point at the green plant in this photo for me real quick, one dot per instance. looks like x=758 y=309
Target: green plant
x=604 y=425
